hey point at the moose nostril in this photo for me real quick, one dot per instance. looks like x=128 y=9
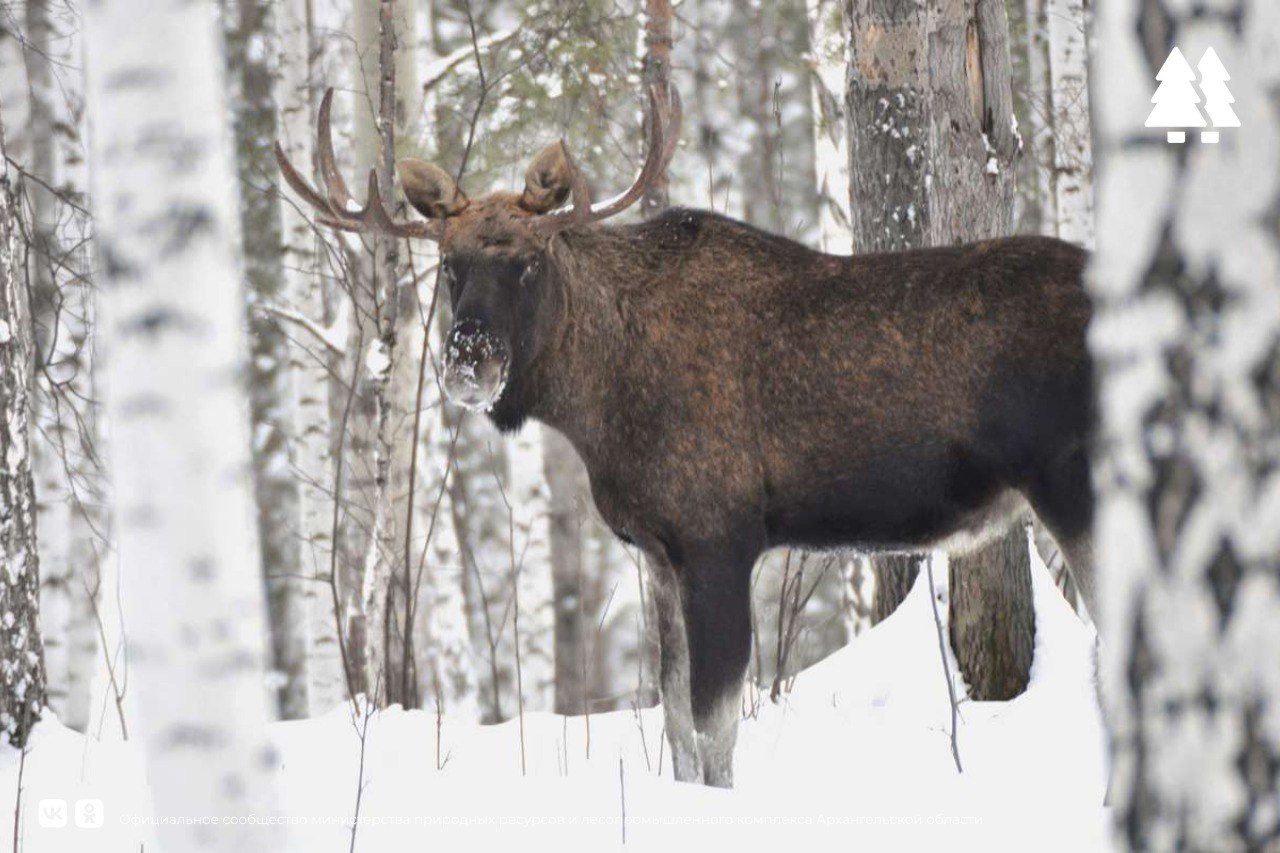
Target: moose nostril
x=476 y=363
x=470 y=343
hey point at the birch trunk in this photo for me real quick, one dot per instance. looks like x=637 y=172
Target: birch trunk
x=1041 y=142
x=566 y=483
x=1072 y=173
x=63 y=451
x=58 y=578
x=172 y=316
x=1186 y=342
x=251 y=51
x=528 y=493
x=22 y=674
x=386 y=41
x=830 y=137
x=930 y=106
x=310 y=362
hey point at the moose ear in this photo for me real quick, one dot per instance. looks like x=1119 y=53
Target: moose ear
x=430 y=189
x=546 y=183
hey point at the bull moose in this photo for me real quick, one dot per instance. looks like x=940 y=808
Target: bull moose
x=732 y=391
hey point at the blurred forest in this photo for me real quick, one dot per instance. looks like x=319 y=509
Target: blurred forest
x=468 y=573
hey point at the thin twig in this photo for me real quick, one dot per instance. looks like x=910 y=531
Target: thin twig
x=484 y=93
x=622 y=791
x=946 y=667
x=17 y=802
x=327 y=335
x=363 y=732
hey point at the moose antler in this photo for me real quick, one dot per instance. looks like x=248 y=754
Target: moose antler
x=335 y=208
x=665 y=115
x=335 y=204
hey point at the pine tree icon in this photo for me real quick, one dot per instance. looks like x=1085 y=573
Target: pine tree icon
x=1175 y=100
x=1217 y=97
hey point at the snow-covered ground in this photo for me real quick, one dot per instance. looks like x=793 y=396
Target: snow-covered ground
x=858 y=756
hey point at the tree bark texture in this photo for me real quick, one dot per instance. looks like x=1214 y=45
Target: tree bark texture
x=932 y=146
x=22 y=673
x=1186 y=342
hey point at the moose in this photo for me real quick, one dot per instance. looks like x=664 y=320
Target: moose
x=732 y=391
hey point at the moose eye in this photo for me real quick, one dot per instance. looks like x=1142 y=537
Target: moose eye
x=529 y=274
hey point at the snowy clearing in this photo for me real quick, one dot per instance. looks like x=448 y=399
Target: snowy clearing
x=857 y=755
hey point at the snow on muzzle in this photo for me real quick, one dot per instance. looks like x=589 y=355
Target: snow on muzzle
x=475 y=366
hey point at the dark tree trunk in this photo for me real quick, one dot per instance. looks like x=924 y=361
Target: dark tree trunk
x=932 y=149
x=895 y=575
x=987 y=613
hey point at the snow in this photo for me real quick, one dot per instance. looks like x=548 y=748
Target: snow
x=858 y=754
x=377 y=361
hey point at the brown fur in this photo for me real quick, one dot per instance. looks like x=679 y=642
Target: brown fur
x=730 y=391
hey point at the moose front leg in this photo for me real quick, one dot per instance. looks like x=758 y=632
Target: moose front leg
x=717 y=598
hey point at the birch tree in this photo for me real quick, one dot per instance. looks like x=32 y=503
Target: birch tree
x=310 y=362
x=566 y=484
x=830 y=136
x=530 y=531
x=1186 y=341
x=251 y=51
x=1071 y=178
x=1034 y=102
x=22 y=674
x=932 y=145
x=172 y=314
x=394 y=325
x=1059 y=142
x=64 y=446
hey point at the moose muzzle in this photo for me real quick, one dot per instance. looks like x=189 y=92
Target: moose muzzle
x=475 y=366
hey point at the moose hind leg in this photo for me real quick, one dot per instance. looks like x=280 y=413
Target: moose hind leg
x=718 y=622
x=677 y=709
x=1062 y=497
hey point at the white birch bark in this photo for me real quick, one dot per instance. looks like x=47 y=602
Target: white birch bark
x=251 y=49
x=15 y=92
x=63 y=449
x=566 y=484
x=528 y=492
x=1072 y=175
x=172 y=315
x=1040 y=139
x=53 y=500
x=830 y=136
x=22 y=674
x=1186 y=341
x=310 y=362
x=393 y=332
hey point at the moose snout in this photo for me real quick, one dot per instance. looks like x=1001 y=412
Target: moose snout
x=475 y=366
